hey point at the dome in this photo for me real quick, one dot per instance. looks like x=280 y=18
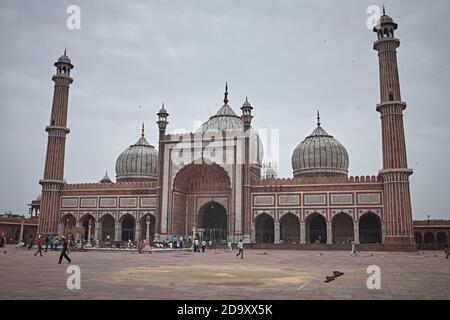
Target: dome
x=65 y=59
x=226 y=119
x=319 y=154
x=137 y=162
x=385 y=18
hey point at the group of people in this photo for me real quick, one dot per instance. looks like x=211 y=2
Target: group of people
x=64 y=249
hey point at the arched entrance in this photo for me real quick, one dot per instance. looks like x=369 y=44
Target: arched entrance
x=289 y=228
x=108 y=227
x=343 y=231
x=214 y=222
x=151 y=227
x=85 y=222
x=69 y=224
x=428 y=237
x=128 y=228
x=369 y=228
x=264 y=228
x=201 y=180
x=316 y=228
x=441 y=239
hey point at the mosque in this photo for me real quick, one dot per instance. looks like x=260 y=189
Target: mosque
x=209 y=182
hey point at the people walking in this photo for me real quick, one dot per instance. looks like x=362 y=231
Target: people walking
x=353 y=252
x=241 y=249
x=64 y=250
x=39 y=245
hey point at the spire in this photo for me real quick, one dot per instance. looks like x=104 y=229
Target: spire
x=142 y=133
x=384 y=10
x=225 y=100
x=318 y=118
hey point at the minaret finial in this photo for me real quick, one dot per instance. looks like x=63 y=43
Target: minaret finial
x=226 y=93
x=142 y=133
x=65 y=50
x=246 y=99
x=318 y=118
x=384 y=10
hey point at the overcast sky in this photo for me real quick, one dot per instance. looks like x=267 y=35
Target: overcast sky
x=289 y=57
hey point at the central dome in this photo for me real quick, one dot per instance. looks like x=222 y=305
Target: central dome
x=320 y=155
x=137 y=162
x=226 y=119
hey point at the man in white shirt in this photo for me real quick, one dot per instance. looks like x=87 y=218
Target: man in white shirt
x=196 y=243
x=241 y=249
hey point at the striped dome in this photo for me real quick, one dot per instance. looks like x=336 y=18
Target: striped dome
x=137 y=162
x=320 y=155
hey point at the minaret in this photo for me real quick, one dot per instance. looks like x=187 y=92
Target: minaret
x=162 y=125
x=397 y=216
x=246 y=168
x=54 y=162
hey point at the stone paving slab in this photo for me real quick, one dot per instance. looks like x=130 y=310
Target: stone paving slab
x=218 y=275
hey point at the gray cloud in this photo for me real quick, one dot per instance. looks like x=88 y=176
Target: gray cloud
x=289 y=57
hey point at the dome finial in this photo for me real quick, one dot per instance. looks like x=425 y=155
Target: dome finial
x=65 y=50
x=226 y=93
x=142 y=133
x=384 y=10
x=318 y=118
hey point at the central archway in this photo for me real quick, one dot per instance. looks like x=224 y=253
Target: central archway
x=214 y=222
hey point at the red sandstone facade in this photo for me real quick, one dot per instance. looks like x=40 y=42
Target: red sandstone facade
x=199 y=191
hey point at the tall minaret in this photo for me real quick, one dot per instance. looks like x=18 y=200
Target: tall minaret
x=395 y=174
x=54 y=161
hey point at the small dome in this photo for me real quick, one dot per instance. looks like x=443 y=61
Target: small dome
x=137 y=162
x=105 y=179
x=320 y=155
x=65 y=59
x=385 y=18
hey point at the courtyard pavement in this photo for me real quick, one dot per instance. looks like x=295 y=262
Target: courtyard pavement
x=262 y=274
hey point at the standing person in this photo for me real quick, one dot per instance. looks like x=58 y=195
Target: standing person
x=203 y=246
x=39 y=244
x=46 y=242
x=241 y=249
x=446 y=251
x=181 y=242
x=196 y=243
x=64 y=250
x=210 y=245
x=2 y=241
x=229 y=246
x=353 y=252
